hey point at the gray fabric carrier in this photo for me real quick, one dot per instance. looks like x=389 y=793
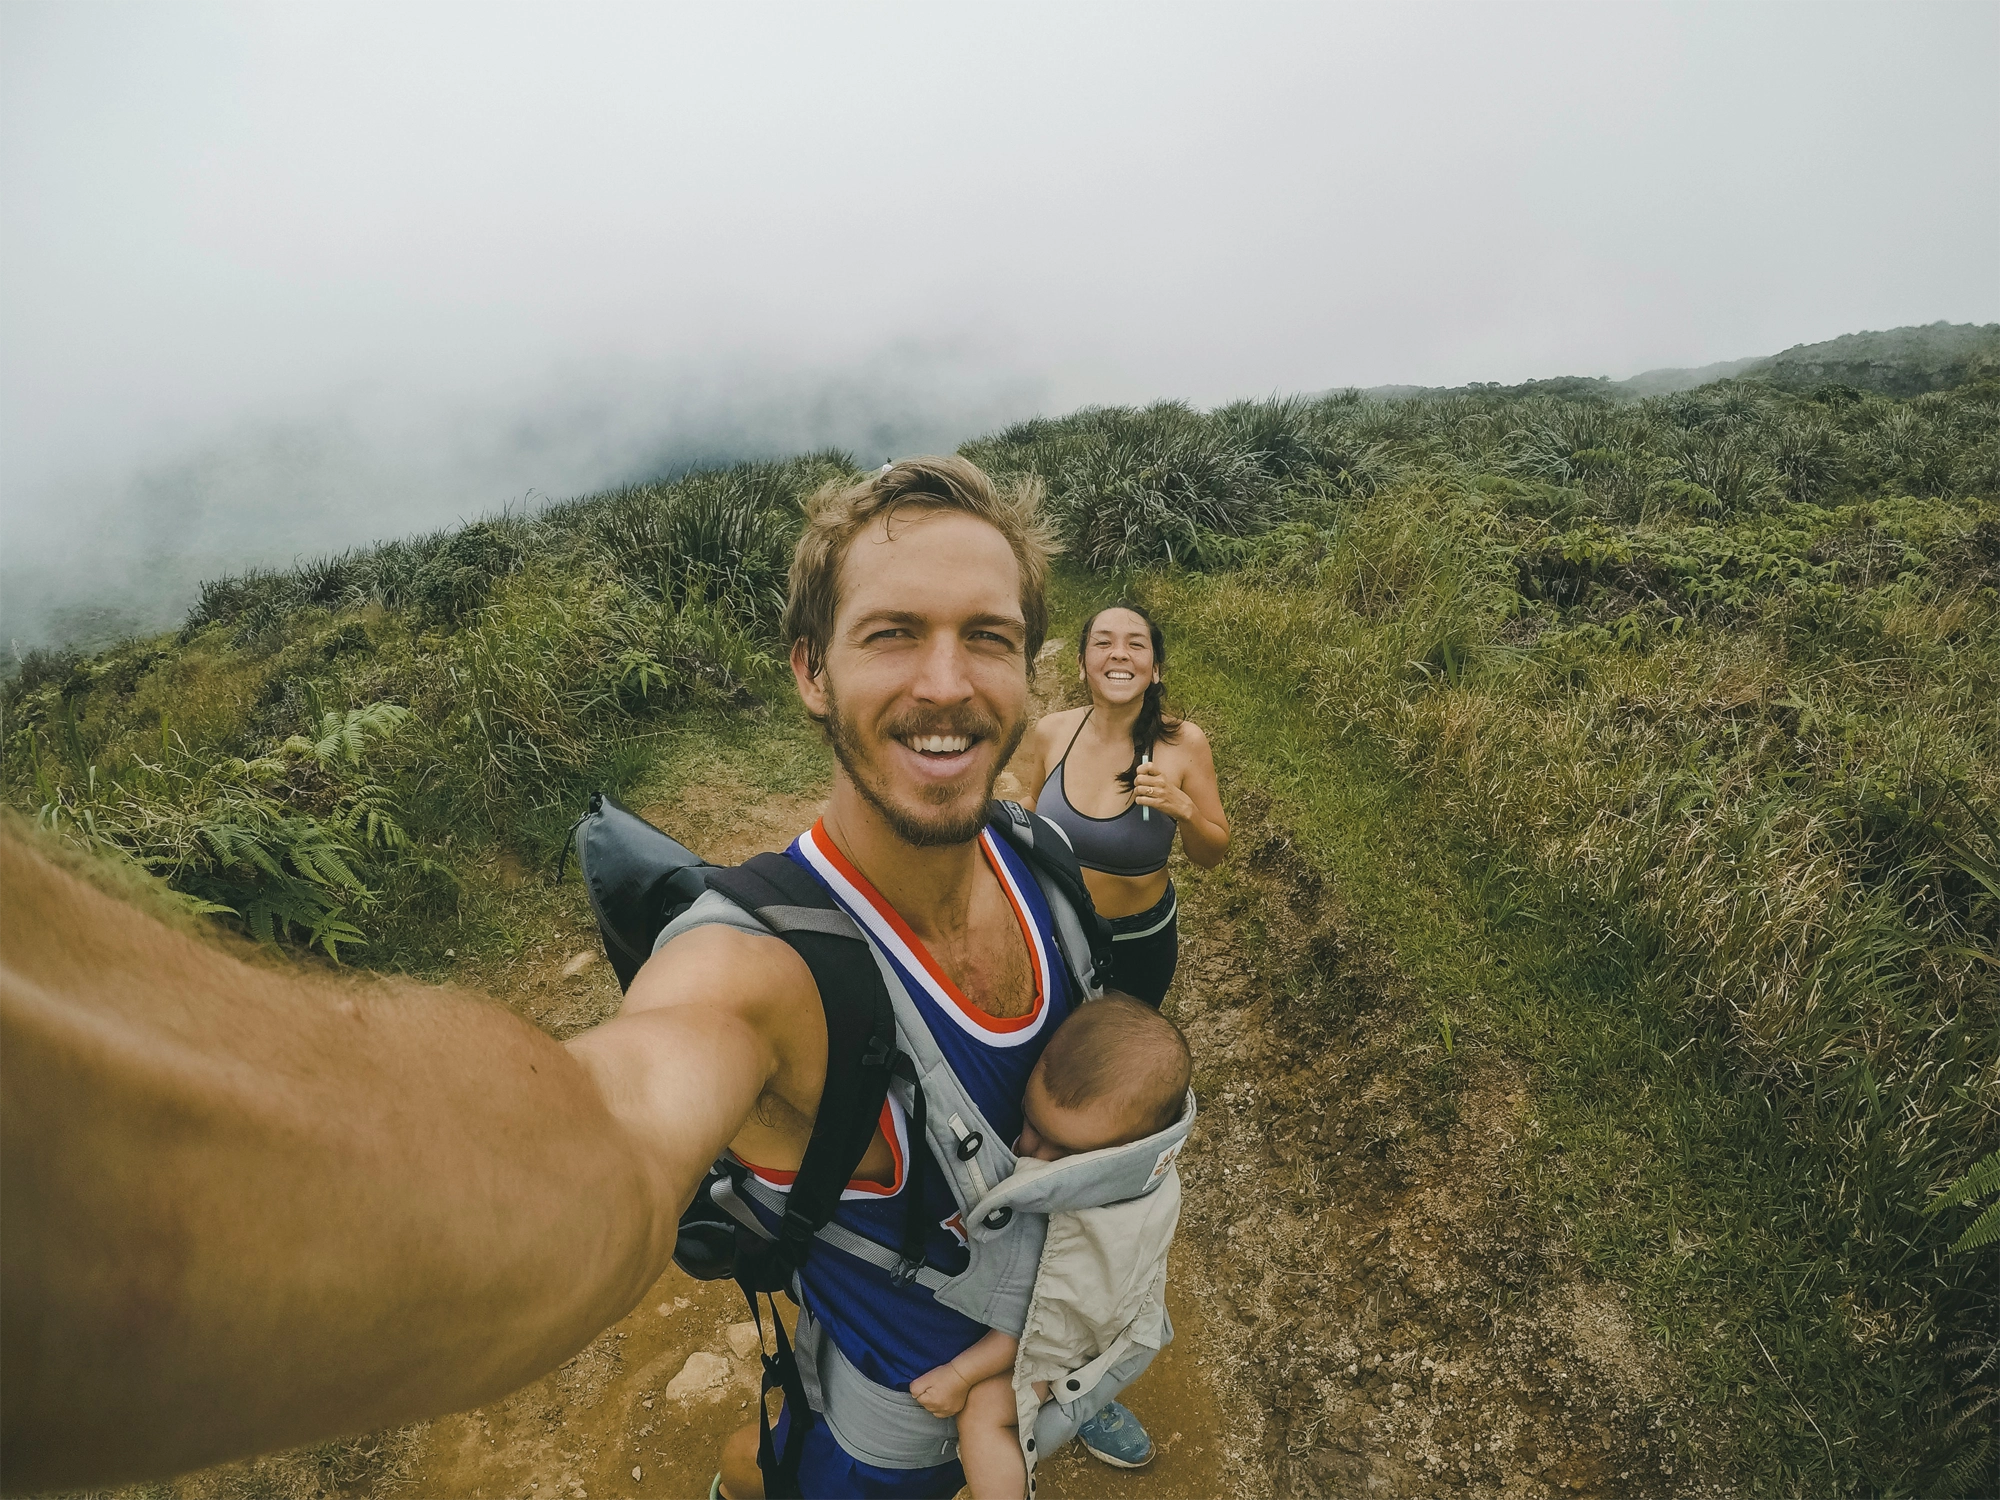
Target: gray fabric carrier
x=1006 y=1229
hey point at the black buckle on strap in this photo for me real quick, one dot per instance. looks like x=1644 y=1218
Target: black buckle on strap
x=795 y=1235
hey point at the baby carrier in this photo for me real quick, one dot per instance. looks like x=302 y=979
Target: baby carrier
x=641 y=882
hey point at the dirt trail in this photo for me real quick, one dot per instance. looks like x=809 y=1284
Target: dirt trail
x=1395 y=1327
x=1360 y=1308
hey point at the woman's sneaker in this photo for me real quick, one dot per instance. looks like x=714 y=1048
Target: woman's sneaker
x=1115 y=1437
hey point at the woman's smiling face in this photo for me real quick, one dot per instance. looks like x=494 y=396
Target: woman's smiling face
x=1118 y=657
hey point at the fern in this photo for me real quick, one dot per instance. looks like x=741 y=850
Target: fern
x=1972 y=1471
x=1984 y=1231
x=1983 y=1180
x=368 y=814
x=256 y=838
x=344 y=736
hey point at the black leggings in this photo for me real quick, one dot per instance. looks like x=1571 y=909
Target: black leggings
x=1145 y=948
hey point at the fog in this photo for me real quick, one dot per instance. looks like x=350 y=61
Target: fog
x=281 y=279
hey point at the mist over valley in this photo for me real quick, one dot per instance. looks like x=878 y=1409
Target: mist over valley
x=107 y=551
x=285 y=281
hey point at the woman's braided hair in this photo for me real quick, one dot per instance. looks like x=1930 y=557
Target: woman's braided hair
x=1154 y=722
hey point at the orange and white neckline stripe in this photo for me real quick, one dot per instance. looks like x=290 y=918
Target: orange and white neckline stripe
x=883 y=923
x=895 y=1130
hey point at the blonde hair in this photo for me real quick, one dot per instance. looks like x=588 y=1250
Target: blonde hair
x=836 y=515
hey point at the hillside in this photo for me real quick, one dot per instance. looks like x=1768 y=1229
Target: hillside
x=1899 y=362
x=1666 y=382
x=1601 y=991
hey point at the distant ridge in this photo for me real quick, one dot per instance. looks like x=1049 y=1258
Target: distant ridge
x=1894 y=362
x=1898 y=362
x=1664 y=382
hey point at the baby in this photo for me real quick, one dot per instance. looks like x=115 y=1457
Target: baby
x=1116 y=1071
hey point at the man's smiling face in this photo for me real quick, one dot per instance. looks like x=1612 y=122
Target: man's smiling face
x=924 y=690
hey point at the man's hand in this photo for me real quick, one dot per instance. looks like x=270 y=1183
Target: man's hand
x=941 y=1392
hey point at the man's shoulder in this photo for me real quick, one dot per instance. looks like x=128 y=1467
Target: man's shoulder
x=711 y=909
x=717 y=954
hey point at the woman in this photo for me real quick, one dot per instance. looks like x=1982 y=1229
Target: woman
x=1121 y=778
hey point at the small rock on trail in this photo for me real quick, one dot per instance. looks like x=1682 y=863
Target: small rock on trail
x=703 y=1372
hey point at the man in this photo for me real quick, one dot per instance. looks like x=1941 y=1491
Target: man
x=245 y=1209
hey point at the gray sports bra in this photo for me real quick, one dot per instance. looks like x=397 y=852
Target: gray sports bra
x=1129 y=844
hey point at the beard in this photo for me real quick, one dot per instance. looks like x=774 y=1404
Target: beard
x=938 y=815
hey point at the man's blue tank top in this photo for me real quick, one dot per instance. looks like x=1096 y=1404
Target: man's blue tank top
x=891 y=1333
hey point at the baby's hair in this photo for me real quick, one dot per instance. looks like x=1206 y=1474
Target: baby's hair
x=1121 y=1049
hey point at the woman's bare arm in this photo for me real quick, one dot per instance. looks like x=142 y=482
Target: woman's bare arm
x=247 y=1207
x=1186 y=790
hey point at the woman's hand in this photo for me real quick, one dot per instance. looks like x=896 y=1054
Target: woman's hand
x=1191 y=798
x=1152 y=789
x=941 y=1392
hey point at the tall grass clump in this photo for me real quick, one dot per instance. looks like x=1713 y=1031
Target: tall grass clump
x=312 y=754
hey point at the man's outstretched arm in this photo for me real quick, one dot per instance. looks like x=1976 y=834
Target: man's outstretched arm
x=246 y=1207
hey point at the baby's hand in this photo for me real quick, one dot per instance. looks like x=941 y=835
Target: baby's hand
x=941 y=1392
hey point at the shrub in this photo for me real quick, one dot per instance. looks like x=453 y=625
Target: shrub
x=278 y=842
x=458 y=576
x=260 y=595
x=710 y=537
x=1130 y=488
x=40 y=667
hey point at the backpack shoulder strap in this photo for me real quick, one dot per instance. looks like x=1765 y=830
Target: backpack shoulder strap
x=861 y=1056
x=1083 y=936
x=860 y=1031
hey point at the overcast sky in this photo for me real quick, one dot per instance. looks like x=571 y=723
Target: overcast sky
x=278 y=277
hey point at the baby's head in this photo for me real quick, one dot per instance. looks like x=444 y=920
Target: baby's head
x=1115 y=1071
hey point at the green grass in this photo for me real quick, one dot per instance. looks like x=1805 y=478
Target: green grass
x=1658 y=742
x=1661 y=746
x=1754 y=1164
x=1609 y=1095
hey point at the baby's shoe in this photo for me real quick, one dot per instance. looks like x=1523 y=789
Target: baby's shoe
x=1115 y=1437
